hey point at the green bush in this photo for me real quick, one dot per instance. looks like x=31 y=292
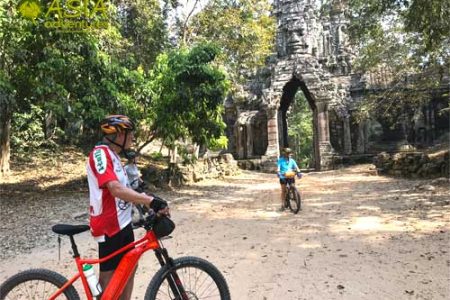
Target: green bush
x=218 y=144
x=186 y=154
x=156 y=156
x=26 y=130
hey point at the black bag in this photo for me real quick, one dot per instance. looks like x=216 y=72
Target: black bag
x=163 y=227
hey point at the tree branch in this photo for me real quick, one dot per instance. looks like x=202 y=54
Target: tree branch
x=186 y=22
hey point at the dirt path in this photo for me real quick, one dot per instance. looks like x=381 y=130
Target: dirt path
x=359 y=236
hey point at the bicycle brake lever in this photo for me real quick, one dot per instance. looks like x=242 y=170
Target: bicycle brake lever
x=150 y=220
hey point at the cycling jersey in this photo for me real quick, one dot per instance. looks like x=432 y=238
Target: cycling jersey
x=108 y=214
x=286 y=165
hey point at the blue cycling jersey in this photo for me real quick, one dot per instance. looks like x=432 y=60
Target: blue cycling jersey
x=285 y=165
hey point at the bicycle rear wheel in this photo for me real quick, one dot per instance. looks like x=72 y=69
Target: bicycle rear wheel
x=199 y=279
x=294 y=200
x=36 y=284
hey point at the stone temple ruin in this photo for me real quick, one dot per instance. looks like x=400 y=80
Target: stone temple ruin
x=313 y=55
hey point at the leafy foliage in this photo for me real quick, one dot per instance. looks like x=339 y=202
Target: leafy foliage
x=187 y=94
x=72 y=80
x=28 y=129
x=406 y=41
x=144 y=27
x=245 y=31
x=218 y=144
x=158 y=156
x=77 y=77
x=428 y=19
x=301 y=130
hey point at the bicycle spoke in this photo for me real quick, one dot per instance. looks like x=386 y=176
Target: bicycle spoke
x=208 y=297
x=199 y=288
x=196 y=283
x=162 y=291
x=207 y=289
x=44 y=292
x=34 y=289
x=30 y=295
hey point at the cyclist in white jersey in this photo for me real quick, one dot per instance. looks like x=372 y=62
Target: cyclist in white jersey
x=111 y=197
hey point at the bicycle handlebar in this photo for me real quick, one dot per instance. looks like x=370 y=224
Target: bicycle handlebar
x=150 y=220
x=291 y=175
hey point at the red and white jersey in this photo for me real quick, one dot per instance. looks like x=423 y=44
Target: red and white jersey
x=108 y=215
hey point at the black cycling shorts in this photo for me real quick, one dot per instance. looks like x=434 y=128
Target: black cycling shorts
x=112 y=244
x=285 y=180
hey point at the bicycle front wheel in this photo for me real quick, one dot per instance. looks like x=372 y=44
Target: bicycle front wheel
x=36 y=284
x=190 y=278
x=294 y=200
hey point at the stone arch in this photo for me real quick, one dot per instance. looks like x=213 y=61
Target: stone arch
x=289 y=91
x=250 y=131
x=305 y=76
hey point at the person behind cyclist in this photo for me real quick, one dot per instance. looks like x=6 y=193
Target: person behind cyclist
x=137 y=184
x=111 y=196
x=285 y=164
x=133 y=174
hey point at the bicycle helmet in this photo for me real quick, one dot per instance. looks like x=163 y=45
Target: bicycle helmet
x=116 y=123
x=287 y=150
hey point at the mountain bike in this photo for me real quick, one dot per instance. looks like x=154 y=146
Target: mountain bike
x=293 y=199
x=184 y=278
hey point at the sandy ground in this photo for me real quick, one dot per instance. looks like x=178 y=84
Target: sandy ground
x=359 y=236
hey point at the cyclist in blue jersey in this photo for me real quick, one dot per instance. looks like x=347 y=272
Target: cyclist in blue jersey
x=285 y=164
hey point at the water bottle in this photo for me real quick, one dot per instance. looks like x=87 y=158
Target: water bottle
x=92 y=280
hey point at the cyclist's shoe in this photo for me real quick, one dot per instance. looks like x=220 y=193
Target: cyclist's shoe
x=280 y=209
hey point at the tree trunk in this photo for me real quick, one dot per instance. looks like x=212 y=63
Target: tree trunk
x=5 y=131
x=49 y=125
x=153 y=135
x=145 y=144
x=174 y=155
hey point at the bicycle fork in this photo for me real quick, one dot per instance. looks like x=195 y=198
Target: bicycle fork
x=286 y=197
x=174 y=281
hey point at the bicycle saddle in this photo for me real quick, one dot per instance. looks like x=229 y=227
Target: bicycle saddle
x=69 y=229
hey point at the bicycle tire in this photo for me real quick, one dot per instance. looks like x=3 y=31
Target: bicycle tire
x=35 y=277
x=211 y=271
x=293 y=197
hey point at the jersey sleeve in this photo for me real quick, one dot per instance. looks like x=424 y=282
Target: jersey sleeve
x=102 y=166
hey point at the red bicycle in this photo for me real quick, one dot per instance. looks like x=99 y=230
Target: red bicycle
x=184 y=278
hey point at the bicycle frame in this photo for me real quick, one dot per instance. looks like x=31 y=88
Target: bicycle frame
x=290 y=181
x=124 y=270
x=290 y=185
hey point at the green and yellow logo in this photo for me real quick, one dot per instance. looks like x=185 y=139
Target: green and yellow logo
x=30 y=9
x=67 y=15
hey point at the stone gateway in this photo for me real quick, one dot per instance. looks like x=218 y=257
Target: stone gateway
x=313 y=55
